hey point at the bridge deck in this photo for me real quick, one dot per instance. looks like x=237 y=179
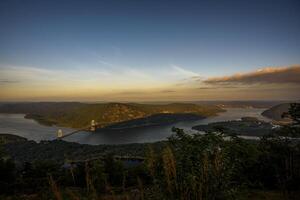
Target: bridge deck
x=71 y=133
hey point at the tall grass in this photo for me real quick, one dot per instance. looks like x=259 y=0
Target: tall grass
x=54 y=189
x=72 y=195
x=190 y=168
x=169 y=166
x=91 y=191
x=141 y=188
x=151 y=161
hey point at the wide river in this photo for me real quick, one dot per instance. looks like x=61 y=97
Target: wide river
x=16 y=124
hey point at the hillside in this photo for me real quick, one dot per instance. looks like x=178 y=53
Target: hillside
x=79 y=115
x=8 y=138
x=276 y=112
x=23 y=150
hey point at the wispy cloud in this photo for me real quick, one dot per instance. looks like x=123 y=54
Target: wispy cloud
x=177 y=70
x=168 y=91
x=219 y=87
x=8 y=81
x=103 y=62
x=32 y=74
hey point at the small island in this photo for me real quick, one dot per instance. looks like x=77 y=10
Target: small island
x=248 y=126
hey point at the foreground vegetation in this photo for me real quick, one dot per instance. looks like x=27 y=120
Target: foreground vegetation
x=78 y=115
x=210 y=166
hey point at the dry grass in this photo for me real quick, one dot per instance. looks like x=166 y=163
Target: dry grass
x=169 y=165
x=151 y=161
x=55 y=189
x=141 y=188
x=91 y=191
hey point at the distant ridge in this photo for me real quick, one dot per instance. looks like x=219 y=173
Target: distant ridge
x=78 y=115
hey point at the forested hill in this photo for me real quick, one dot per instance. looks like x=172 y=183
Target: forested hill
x=77 y=115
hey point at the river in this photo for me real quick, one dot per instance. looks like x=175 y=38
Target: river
x=16 y=124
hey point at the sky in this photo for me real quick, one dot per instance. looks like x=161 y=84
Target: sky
x=139 y=50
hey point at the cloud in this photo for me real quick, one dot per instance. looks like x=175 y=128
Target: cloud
x=31 y=74
x=167 y=91
x=183 y=72
x=103 y=62
x=269 y=75
x=219 y=87
x=2 y=82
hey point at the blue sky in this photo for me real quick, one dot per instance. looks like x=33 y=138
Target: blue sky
x=148 y=38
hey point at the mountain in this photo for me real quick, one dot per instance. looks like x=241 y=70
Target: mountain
x=78 y=115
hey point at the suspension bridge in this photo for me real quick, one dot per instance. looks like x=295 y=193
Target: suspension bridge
x=92 y=128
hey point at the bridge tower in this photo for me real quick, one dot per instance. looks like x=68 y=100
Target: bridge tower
x=59 y=133
x=93 y=125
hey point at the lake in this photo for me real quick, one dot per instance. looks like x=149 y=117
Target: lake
x=16 y=124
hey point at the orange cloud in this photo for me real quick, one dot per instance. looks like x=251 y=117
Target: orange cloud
x=279 y=75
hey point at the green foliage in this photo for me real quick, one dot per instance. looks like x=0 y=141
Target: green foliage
x=294 y=112
x=115 y=170
x=216 y=166
x=195 y=167
x=34 y=176
x=7 y=176
x=279 y=163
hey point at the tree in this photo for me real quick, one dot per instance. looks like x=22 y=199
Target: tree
x=7 y=173
x=293 y=129
x=294 y=112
